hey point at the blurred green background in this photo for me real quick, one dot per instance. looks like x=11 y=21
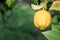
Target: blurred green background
x=20 y=25
x=16 y=21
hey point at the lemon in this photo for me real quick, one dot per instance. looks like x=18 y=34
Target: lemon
x=42 y=19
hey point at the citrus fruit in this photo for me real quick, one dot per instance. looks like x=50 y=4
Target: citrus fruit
x=42 y=19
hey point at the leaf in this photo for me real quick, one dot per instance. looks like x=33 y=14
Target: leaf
x=36 y=7
x=44 y=3
x=56 y=27
x=54 y=19
x=33 y=1
x=51 y=35
x=13 y=4
x=10 y=2
x=55 y=6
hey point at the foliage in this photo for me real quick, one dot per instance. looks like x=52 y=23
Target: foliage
x=16 y=21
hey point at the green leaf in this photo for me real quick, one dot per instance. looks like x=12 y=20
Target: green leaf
x=44 y=3
x=56 y=27
x=33 y=1
x=54 y=19
x=52 y=35
x=13 y=4
x=10 y=2
x=55 y=6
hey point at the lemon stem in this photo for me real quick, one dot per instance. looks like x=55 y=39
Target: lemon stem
x=45 y=4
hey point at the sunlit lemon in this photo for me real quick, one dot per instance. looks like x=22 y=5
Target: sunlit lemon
x=42 y=19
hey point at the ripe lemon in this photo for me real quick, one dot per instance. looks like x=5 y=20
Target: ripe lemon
x=42 y=19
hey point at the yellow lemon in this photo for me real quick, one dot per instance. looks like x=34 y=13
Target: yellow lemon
x=42 y=19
